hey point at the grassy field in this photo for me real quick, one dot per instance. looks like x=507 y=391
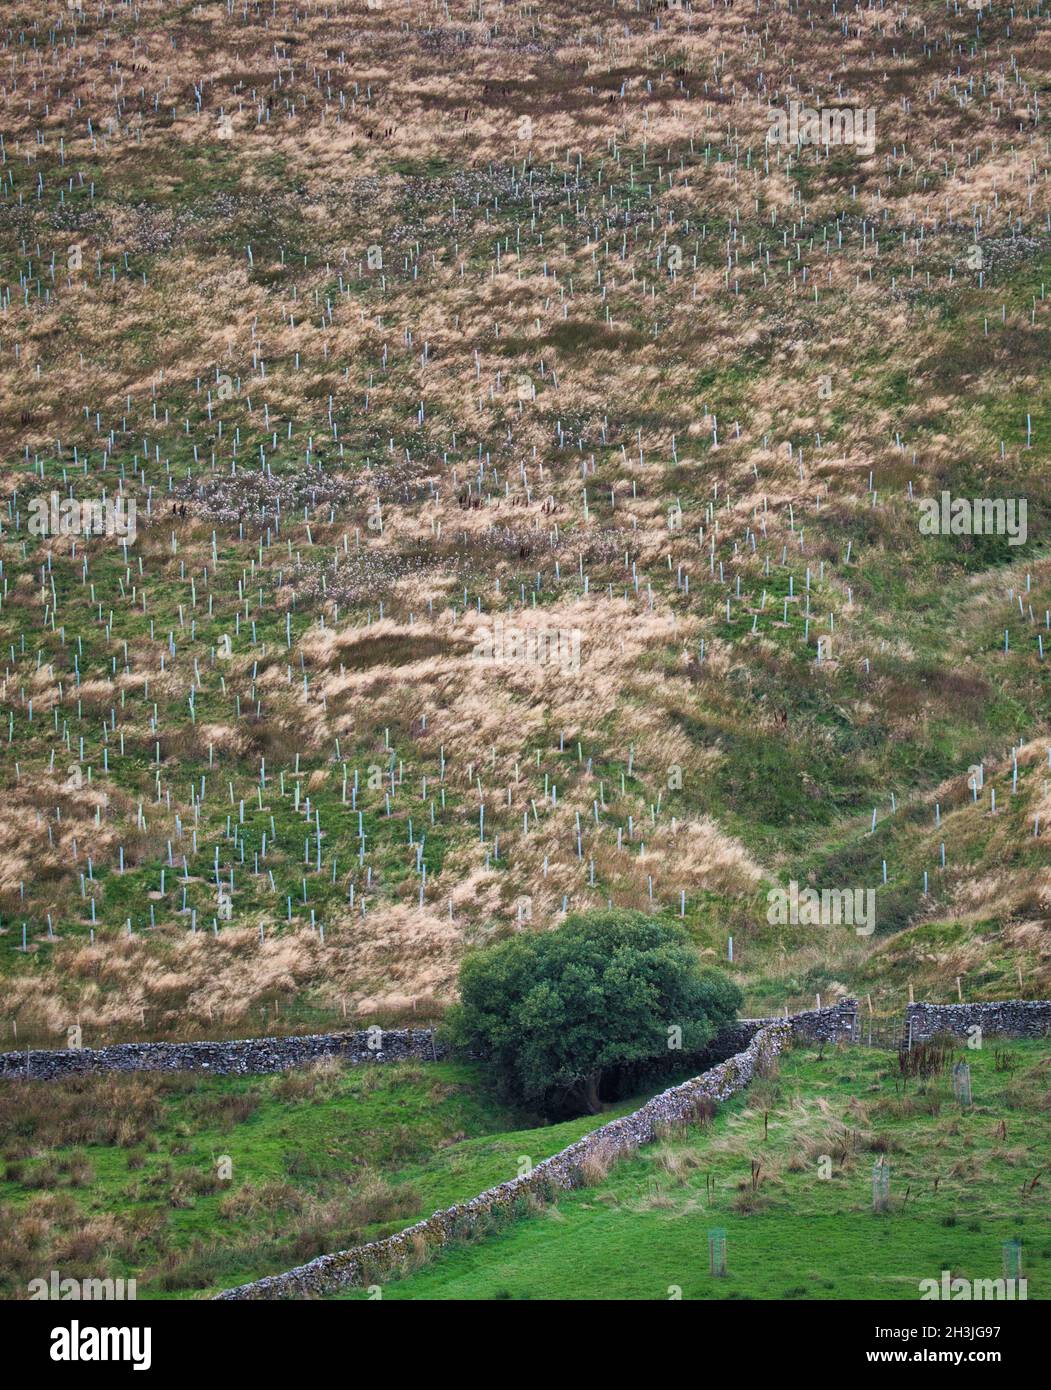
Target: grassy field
x=963 y=1181
x=123 y=1174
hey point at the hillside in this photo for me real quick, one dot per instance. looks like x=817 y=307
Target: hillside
x=527 y=469
x=546 y=497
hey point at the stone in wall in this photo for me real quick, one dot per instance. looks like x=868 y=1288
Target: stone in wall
x=1009 y=1018
x=246 y=1055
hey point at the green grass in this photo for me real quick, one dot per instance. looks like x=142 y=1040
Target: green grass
x=956 y=1195
x=116 y=1175
x=321 y=1159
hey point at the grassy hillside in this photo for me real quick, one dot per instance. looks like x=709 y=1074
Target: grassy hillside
x=400 y=323
x=121 y=1175
x=530 y=447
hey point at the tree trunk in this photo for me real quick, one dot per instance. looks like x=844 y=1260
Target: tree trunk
x=591 y=1092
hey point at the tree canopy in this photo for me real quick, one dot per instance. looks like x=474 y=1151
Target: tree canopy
x=555 y=1011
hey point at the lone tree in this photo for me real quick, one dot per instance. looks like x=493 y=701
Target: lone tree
x=556 y=1011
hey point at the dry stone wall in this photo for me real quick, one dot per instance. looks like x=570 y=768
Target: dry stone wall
x=1009 y=1018
x=834 y=1023
x=262 y=1055
x=227 y=1058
